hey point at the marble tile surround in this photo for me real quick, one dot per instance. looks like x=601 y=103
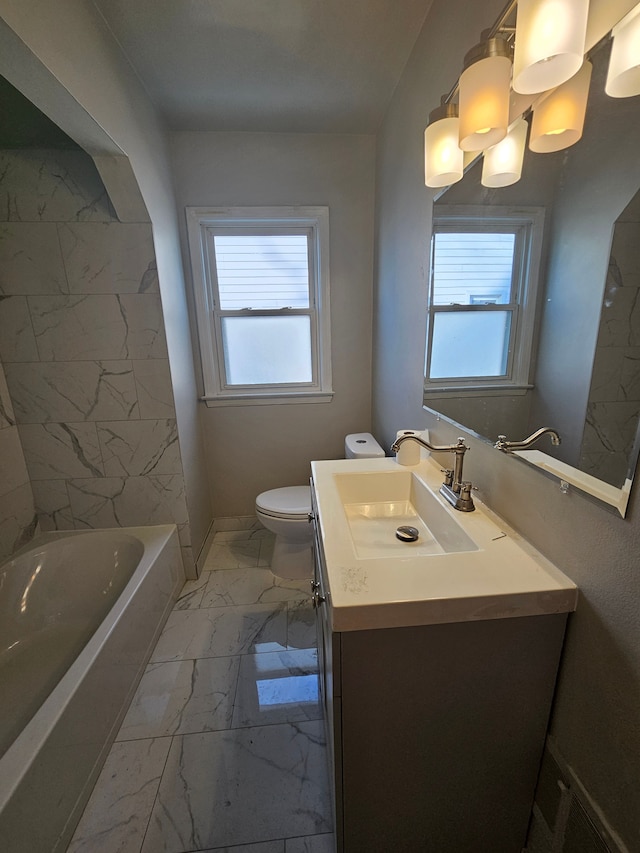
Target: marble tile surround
x=246 y=770
x=101 y=326
x=613 y=409
x=51 y=186
x=82 y=339
x=18 y=519
x=109 y=257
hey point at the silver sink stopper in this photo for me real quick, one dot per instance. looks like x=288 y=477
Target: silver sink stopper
x=406 y=533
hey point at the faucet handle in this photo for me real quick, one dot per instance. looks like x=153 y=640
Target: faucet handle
x=465 y=490
x=448 y=476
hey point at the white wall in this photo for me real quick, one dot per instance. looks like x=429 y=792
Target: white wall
x=275 y=444
x=66 y=50
x=595 y=720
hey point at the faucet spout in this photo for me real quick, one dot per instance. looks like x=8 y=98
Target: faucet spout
x=454 y=489
x=509 y=446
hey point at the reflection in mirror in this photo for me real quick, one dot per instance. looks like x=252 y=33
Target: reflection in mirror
x=584 y=376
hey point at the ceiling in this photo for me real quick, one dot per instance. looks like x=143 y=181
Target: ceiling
x=302 y=66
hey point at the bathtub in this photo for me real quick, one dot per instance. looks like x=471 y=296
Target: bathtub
x=80 y=613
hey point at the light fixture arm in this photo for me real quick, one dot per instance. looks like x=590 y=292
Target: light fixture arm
x=498 y=26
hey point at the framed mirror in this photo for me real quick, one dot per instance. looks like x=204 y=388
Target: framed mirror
x=583 y=376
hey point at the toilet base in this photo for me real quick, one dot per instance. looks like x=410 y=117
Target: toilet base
x=292 y=560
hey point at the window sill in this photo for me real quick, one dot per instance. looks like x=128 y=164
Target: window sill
x=477 y=391
x=268 y=399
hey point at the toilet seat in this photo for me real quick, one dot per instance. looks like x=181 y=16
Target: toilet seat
x=292 y=502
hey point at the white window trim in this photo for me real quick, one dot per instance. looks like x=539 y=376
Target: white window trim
x=200 y=220
x=526 y=280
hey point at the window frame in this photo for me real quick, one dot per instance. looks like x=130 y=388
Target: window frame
x=527 y=223
x=203 y=223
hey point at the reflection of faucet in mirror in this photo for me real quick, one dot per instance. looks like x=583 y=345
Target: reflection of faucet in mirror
x=454 y=490
x=508 y=446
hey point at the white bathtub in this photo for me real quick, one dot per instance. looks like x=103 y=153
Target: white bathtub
x=80 y=613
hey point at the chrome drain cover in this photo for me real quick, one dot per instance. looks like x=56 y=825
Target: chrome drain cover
x=406 y=533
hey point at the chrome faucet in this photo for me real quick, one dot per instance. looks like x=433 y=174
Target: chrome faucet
x=454 y=489
x=508 y=446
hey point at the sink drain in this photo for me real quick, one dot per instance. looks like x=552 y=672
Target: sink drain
x=406 y=533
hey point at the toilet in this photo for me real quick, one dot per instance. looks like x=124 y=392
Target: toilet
x=286 y=511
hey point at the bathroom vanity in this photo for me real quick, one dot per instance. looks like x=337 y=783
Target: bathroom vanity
x=438 y=662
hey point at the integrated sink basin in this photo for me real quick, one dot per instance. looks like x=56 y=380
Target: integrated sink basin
x=377 y=503
x=464 y=566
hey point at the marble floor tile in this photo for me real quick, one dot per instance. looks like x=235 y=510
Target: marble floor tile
x=261 y=847
x=243 y=522
x=221 y=631
x=266 y=549
x=251 y=586
x=301 y=625
x=242 y=554
x=241 y=786
x=181 y=697
x=232 y=535
x=277 y=687
x=191 y=593
x=311 y=844
x=118 y=811
x=7 y=414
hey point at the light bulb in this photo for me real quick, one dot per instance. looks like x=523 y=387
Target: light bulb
x=550 y=42
x=443 y=159
x=558 y=120
x=484 y=95
x=623 y=76
x=502 y=164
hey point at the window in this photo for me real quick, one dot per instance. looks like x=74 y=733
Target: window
x=482 y=299
x=261 y=279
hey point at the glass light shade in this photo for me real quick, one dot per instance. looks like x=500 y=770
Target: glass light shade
x=443 y=159
x=559 y=119
x=484 y=102
x=623 y=77
x=550 y=41
x=502 y=164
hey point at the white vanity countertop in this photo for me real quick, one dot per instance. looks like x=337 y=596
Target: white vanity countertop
x=505 y=577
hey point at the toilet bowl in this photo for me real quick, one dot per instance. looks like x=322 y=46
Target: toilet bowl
x=286 y=512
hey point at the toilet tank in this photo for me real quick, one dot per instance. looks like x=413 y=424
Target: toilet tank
x=362 y=445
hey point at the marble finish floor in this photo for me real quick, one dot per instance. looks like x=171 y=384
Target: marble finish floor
x=223 y=746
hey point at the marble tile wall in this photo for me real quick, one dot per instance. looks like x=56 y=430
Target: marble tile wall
x=613 y=407
x=83 y=345
x=17 y=512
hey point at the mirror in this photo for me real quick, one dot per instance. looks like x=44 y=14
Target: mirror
x=585 y=372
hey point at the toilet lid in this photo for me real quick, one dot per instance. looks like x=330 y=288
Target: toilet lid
x=291 y=500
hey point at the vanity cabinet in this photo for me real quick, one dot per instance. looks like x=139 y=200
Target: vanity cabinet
x=435 y=732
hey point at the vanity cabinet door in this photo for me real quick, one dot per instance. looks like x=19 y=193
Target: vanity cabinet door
x=329 y=675
x=443 y=728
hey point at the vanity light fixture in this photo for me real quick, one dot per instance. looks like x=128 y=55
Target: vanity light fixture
x=502 y=164
x=558 y=119
x=443 y=158
x=623 y=77
x=547 y=41
x=484 y=92
x=550 y=42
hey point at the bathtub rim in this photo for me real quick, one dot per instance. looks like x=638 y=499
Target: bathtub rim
x=18 y=759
